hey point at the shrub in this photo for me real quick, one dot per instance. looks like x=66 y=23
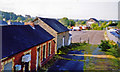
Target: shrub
x=110 y=47
x=105 y=45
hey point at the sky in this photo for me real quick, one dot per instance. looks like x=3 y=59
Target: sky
x=73 y=9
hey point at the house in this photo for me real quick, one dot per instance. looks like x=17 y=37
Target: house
x=55 y=28
x=25 y=48
x=91 y=21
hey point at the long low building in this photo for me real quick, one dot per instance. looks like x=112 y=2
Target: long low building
x=25 y=48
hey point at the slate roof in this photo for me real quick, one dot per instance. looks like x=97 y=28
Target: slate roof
x=53 y=23
x=17 y=23
x=16 y=38
x=3 y=22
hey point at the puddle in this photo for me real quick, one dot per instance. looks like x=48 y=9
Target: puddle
x=97 y=52
x=69 y=65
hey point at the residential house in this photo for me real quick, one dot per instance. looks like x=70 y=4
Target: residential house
x=55 y=28
x=25 y=48
x=91 y=21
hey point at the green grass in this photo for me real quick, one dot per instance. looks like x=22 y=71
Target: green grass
x=93 y=64
x=77 y=46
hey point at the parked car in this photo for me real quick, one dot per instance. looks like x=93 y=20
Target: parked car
x=118 y=31
x=113 y=30
x=76 y=29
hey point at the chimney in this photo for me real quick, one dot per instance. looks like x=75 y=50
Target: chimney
x=31 y=23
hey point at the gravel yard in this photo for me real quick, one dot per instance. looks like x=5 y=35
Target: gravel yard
x=94 y=36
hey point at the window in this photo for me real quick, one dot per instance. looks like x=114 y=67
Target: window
x=44 y=52
x=8 y=67
x=27 y=66
x=38 y=57
x=49 y=49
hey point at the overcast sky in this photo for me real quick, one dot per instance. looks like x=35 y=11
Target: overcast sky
x=75 y=9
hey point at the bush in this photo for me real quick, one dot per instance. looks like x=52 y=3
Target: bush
x=110 y=47
x=63 y=50
x=105 y=45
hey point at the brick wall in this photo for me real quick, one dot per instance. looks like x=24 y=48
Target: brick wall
x=17 y=59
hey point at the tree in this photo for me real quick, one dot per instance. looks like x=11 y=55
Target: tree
x=104 y=45
x=118 y=24
x=77 y=24
x=19 y=19
x=72 y=22
x=1 y=18
x=82 y=22
x=110 y=22
x=104 y=24
x=94 y=26
x=64 y=21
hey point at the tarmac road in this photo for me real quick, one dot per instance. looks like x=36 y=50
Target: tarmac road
x=93 y=36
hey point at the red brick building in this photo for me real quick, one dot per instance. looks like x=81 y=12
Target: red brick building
x=25 y=48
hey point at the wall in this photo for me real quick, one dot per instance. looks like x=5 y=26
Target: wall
x=60 y=39
x=17 y=59
x=49 y=30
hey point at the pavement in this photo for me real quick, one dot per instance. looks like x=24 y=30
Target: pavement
x=91 y=36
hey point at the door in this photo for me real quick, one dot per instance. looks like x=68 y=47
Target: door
x=69 y=41
x=26 y=66
x=63 y=41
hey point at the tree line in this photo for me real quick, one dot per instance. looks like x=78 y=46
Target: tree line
x=95 y=26
x=13 y=17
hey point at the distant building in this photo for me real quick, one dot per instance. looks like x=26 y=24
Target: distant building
x=24 y=48
x=91 y=21
x=55 y=28
x=17 y=23
x=3 y=22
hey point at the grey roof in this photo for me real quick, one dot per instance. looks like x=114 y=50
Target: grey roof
x=56 y=25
